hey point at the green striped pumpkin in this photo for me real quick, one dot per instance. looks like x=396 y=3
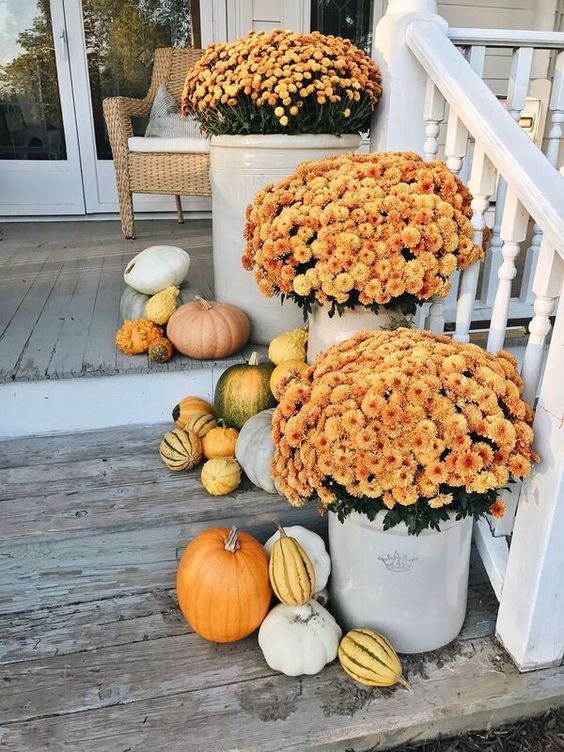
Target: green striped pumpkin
x=368 y=658
x=180 y=450
x=242 y=391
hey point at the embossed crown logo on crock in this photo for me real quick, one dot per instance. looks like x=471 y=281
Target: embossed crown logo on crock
x=397 y=562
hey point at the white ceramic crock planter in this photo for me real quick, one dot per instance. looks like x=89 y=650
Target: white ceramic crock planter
x=325 y=331
x=239 y=167
x=413 y=589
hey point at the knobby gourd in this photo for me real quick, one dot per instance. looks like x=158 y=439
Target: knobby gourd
x=160 y=350
x=288 y=346
x=135 y=337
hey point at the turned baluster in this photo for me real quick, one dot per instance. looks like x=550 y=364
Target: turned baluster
x=517 y=90
x=434 y=114
x=481 y=185
x=513 y=232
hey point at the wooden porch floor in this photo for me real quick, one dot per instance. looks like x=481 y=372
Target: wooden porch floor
x=60 y=287
x=96 y=658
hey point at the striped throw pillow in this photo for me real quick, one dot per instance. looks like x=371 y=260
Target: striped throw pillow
x=166 y=121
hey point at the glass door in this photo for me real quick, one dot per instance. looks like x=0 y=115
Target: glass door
x=40 y=170
x=111 y=52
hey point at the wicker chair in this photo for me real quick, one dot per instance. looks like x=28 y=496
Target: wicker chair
x=178 y=174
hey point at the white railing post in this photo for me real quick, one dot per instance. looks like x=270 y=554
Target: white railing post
x=530 y=622
x=481 y=185
x=518 y=87
x=398 y=123
x=513 y=232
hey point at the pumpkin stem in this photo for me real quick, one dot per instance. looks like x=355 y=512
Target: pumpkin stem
x=404 y=683
x=206 y=305
x=231 y=542
x=254 y=360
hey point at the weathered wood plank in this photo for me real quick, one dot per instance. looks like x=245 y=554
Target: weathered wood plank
x=38 y=351
x=70 y=344
x=54 y=572
x=471 y=680
x=15 y=281
x=47 y=632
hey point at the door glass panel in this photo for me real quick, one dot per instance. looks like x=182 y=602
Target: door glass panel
x=121 y=36
x=31 y=123
x=351 y=19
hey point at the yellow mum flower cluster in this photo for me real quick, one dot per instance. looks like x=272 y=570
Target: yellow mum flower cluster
x=282 y=82
x=361 y=228
x=403 y=418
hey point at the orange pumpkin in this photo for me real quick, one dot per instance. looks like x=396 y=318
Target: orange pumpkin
x=207 y=329
x=160 y=350
x=189 y=408
x=220 y=442
x=222 y=584
x=134 y=337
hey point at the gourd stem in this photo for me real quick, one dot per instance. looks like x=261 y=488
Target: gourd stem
x=404 y=683
x=231 y=542
x=254 y=360
x=280 y=529
x=206 y=305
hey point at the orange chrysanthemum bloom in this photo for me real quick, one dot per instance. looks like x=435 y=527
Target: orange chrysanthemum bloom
x=372 y=432
x=282 y=82
x=383 y=229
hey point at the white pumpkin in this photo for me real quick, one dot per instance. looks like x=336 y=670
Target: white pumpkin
x=314 y=546
x=157 y=267
x=132 y=303
x=299 y=640
x=255 y=449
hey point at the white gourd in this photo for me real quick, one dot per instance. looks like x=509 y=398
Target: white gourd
x=255 y=449
x=132 y=303
x=299 y=640
x=314 y=546
x=157 y=267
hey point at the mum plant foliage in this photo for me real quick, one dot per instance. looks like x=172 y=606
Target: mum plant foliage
x=380 y=229
x=282 y=82
x=406 y=422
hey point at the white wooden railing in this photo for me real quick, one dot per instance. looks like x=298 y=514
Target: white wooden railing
x=530 y=84
x=425 y=75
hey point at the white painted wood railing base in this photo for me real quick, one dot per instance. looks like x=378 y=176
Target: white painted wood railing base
x=423 y=74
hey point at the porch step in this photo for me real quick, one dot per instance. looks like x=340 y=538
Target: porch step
x=95 y=655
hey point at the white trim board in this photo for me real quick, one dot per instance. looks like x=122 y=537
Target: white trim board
x=41 y=408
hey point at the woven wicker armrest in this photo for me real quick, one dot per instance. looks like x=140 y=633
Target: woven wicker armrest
x=118 y=112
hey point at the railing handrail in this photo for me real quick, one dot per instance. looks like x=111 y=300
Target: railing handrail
x=512 y=38
x=537 y=184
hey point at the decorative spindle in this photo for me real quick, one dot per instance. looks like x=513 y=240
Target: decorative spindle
x=481 y=185
x=435 y=321
x=513 y=231
x=517 y=90
x=434 y=114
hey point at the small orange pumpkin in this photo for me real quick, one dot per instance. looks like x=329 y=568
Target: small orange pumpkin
x=189 y=408
x=208 y=329
x=220 y=442
x=135 y=337
x=222 y=584
x=160 y=350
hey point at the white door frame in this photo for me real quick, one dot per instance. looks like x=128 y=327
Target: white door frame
x=45 y=187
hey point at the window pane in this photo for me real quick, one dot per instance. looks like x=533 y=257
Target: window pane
x=344 y=18
x=121 y=36
x=31 y=124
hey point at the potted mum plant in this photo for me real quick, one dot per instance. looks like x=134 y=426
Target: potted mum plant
x=367 y=236
x=270 y=101
x=404 y=437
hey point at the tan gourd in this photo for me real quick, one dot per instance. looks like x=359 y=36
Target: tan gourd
x=220 y=476
x=202 y=423
x=180 y=450
x=292 y=575
x=368 y=658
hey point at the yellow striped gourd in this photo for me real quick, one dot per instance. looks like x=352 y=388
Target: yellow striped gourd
x=201 y=424
x=292 y=574
x=180 y=450
x=368 y=658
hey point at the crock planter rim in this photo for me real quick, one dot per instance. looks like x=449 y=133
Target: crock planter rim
x=401 y=529
x=283 y=141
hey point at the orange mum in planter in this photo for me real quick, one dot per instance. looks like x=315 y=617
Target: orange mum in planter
x=372 y=229
x=404 y=421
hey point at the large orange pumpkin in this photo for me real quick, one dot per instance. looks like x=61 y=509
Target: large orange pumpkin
x=222 y=584
x=207 y=329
